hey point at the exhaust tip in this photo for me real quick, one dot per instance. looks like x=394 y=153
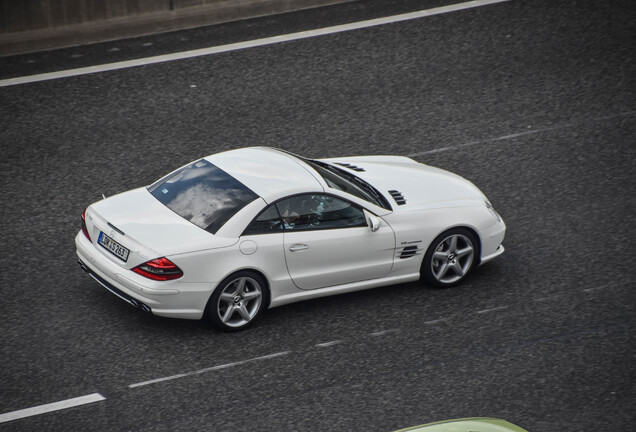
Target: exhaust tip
x=83 y=266
x=139 y=305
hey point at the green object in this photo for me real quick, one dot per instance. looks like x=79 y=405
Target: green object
x=475 y=424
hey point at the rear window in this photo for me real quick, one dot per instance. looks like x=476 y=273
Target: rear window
x=203 y=193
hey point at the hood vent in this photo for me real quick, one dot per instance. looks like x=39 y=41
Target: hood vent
x=409 y=252
x=351 y=167
x=398 y=197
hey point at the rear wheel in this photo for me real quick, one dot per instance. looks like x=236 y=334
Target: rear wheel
x=450 y=257
x=237 y=301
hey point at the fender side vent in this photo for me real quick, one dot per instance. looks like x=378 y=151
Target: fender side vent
x=398 y=197
x=410 y=252
x=351 y=167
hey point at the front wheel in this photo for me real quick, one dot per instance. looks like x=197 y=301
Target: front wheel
x=237 y=301
x=450 y=257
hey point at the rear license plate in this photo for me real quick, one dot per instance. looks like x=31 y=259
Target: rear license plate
x=113 y=247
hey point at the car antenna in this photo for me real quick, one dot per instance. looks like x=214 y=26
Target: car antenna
x=103 y=196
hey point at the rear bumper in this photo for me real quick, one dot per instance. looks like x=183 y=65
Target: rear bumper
x=172 y=299
x=113 y=289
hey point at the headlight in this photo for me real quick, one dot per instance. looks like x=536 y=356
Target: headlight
x=493 y=211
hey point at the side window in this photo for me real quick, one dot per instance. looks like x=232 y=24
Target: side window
x=309 y=212
x=267 y=222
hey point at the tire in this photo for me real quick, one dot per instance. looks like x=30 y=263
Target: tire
x=237 y=301
x=450 y=257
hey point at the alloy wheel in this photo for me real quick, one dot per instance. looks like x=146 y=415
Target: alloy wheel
x=452 y=258
x=239 y=302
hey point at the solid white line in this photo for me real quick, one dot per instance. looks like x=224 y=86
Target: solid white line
x=248 y=44
x=55 y=406
x=492 y=310
x=210 y=369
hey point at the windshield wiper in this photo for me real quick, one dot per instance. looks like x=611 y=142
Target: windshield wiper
x=368 y=188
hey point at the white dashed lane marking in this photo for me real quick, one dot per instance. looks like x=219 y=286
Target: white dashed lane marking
x=210 y=369
x=516 y=135
x=383 y=332
x=495 y=309
x=96 y=397
x=330 y=343
x=436 y=321
x=593 y=289
x=546 y=298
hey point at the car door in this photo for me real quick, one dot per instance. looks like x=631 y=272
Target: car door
x=327 y=242
x=262 y=243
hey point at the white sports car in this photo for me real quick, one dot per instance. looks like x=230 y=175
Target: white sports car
x=241 y=231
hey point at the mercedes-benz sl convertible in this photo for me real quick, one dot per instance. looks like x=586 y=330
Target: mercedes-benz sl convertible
x=474 y=424
x=235 y=233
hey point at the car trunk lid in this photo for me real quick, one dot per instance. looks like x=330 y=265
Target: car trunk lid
x=137 y=221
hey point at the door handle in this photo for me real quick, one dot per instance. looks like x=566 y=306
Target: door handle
x=298 y=247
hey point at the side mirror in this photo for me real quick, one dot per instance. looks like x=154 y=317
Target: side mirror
x=373 y=222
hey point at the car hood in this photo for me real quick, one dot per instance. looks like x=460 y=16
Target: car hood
x=141 y=217
x=420 y=186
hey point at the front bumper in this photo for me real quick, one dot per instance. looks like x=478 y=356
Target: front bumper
x=491 y=240
x=172 y=299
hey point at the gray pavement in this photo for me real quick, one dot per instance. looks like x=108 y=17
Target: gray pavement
x=533 y=101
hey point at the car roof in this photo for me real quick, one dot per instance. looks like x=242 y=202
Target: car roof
x=270 y=173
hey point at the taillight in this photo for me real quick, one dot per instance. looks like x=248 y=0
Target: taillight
x=160 y=269
x=84 y=229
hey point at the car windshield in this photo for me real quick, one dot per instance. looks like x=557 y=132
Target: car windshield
x=202 y=193
x=339 y=179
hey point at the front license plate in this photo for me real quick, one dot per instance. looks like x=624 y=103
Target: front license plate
x=113 y=247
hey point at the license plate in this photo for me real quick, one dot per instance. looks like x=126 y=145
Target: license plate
x=113 y=247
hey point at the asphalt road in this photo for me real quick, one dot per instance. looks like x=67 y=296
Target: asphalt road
x=533 y=101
